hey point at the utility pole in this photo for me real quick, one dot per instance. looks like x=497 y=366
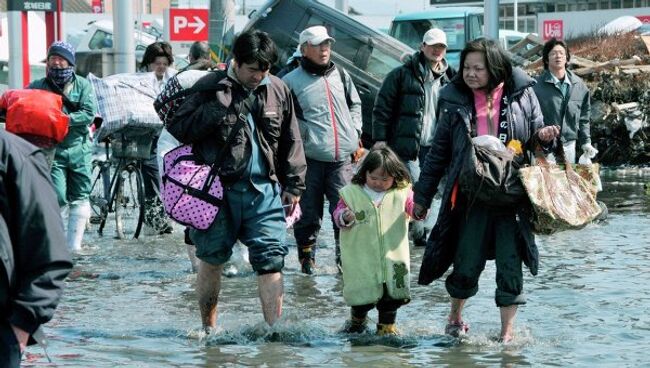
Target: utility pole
x=492 y=19
x=515 y=15
x=222 y=28
x=342 y=5
x=124 y=44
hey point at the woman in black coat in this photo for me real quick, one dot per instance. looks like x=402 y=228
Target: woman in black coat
x=488 y=97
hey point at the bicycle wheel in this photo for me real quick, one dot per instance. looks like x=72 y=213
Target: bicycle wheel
x=129 y=202
x=100 y=193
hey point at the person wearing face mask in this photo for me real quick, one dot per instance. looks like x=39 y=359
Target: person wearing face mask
x=328 y=108
x=565 y=100
x=71 y=167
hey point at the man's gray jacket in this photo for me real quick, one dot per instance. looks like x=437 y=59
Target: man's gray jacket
x=574 y=118
x=329 y=127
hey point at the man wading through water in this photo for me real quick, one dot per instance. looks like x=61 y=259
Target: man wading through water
x=265 y=153
x=329 y=114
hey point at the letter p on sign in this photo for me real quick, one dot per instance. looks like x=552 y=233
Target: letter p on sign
x=179 y=22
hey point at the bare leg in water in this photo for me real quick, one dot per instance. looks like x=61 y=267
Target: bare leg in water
x=271 y=291
x=208 y=286
x=191 y=254
x=507 y=322
x=455 y=315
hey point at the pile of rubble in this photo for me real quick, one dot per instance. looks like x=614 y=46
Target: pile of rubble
x=617 y=71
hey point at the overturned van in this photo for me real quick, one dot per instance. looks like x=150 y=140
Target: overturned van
x=367 y=54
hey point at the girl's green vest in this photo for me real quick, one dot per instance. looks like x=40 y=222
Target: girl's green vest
x=375 y=250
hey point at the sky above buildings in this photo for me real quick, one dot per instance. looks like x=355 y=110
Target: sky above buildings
x=366 y=7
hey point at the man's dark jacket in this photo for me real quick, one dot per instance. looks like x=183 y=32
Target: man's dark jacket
x=206 y=119
x=34 y=258
x=399 y=108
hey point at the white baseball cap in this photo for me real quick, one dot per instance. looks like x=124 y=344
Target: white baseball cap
x=435 y=36
x=315 y=35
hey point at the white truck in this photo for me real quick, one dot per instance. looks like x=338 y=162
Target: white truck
x=94 y=48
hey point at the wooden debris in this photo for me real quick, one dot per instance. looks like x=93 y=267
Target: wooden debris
x=625 y=106
x=528 y=50
x=608 y=64
x=646 y=41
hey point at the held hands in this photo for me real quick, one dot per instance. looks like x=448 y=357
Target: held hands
x=419 y=212
x=348 y=217
x=549 y=133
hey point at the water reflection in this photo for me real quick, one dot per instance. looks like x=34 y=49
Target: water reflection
x=132 y=303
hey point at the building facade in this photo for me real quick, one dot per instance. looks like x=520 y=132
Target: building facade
x=526 y=12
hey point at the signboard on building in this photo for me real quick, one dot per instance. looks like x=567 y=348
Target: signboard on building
x=97 y=6
x=188 y=24
x=553 y=28
x=644 y=18
x=584 y=23
x=33 y=5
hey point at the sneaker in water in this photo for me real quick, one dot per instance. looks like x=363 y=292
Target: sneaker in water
x=456 y=328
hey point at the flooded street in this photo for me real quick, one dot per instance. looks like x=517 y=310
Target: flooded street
x=132 y=303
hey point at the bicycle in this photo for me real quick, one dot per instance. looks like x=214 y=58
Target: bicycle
x=122 y=192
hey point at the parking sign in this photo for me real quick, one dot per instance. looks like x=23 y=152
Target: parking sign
x=188 y=24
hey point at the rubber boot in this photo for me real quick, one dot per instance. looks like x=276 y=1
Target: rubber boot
x=387 y=329
x=355 y=325
x=78 y=217
x=306 y=256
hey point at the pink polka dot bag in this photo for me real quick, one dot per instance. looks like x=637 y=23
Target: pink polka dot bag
x=192 y=193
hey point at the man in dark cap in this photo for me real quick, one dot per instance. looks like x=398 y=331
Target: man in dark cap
x=71 y=168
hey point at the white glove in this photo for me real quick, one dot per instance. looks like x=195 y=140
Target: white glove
x=589 y=150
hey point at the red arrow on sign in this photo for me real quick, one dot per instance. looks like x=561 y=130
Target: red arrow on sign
x=188 y=24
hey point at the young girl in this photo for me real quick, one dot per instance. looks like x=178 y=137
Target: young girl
x=373 y=215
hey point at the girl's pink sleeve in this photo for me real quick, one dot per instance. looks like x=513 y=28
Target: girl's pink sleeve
x=340 y=208
x=409 y=206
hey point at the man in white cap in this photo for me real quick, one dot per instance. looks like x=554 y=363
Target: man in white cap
x=404 y=115
x=328 y=108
